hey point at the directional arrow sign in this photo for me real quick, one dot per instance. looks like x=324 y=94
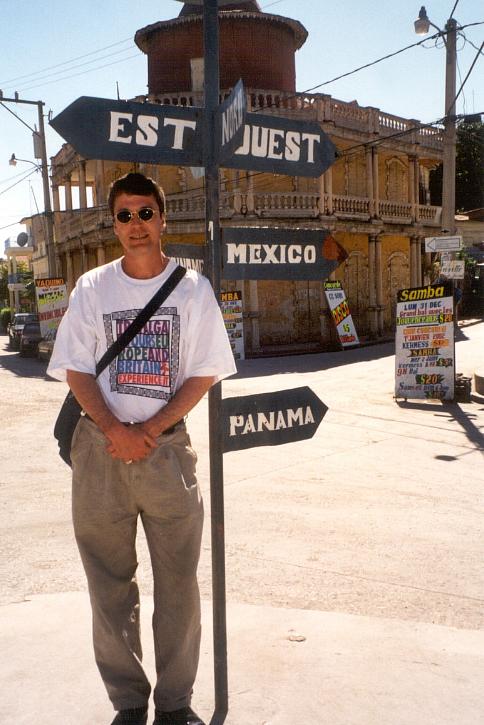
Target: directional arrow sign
x=283 y=146
x=231 y=121
x=191 y=256
x=443 y=244
x=100 y=128
x=271 y=419
x=268 y=253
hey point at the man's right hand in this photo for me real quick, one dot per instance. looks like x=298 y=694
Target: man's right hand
x=129 y=443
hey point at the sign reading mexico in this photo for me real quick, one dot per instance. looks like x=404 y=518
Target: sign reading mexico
x=52 y=301
x=424 y=343
x=269 y=253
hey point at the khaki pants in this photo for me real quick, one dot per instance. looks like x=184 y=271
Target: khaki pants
x=107 y=498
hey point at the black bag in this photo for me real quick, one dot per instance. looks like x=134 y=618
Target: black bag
x=65 y=426
x=71 y=410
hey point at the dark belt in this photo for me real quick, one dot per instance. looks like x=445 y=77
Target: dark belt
x=166 y=432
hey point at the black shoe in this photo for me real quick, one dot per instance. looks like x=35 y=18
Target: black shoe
x=134 y=716
x=185 y=716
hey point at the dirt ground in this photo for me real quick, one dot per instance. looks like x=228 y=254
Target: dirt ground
x=379 y=514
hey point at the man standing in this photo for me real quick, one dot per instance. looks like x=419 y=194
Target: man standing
x=131 y=455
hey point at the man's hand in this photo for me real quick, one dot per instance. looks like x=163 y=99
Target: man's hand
x=129 y=442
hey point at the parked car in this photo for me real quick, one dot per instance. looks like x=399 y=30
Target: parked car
x=29 y=338
x=14 y=329
x=45 y=347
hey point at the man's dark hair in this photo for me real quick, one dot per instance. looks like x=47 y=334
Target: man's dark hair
x=139 y=184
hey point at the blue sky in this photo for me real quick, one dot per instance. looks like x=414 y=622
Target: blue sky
x=41 y=42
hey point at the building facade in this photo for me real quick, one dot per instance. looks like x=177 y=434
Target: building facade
x=374 y=200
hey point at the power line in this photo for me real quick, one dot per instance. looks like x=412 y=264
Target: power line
x=28 y=173
x=80 y=65
x=82 y=73
x=66 y=62
x=479 y=51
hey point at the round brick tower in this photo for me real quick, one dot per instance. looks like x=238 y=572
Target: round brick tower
x=255 y=46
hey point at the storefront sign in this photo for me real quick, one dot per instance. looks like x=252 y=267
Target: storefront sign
x=52 y=300
x=341 y=314
x=231 y=306
x=424 y=343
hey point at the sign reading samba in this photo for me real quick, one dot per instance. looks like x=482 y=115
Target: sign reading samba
x=424 y=343
x=271 y=419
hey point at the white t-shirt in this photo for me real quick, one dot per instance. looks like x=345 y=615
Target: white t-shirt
x=185 y=338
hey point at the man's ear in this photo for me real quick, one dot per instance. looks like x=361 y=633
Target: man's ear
x=163 y=221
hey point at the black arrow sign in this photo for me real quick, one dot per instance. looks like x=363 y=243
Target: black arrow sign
x=100 y=128
x=231 y=120
x=283 y=146
x=271 y=419
x=270 y=253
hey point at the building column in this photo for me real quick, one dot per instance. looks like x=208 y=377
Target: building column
x=68 y=193
x=379 y=283
x=99 y=183
x=69 y=272
x=254 y=314
x=82 y=185
x=376 y=181
x=100 y=255
x=328 y=190
x=416 y=182
x=412 y=192
x=372 y=285
x=369 y=181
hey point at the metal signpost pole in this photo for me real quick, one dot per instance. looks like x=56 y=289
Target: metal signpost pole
x=211 y=145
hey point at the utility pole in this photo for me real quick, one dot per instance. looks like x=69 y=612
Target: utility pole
x=450 y=131
x=51 y=258
x=449 y=36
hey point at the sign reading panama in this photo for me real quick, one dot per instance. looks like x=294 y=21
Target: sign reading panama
x=271 y=419
x=274 y=253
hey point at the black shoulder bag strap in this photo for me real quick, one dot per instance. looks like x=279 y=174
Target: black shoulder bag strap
x=141 y=319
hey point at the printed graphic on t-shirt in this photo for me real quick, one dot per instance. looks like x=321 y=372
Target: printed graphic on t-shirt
x=148 y=366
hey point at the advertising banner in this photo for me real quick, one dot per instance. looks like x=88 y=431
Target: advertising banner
x=424 y=343
x=231 y=306
x=52 y=302
x=340 y=311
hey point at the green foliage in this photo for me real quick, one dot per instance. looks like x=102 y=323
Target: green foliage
x=469 y=165
x=5 y=317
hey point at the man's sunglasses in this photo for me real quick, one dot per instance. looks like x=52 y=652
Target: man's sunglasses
x=145 y=214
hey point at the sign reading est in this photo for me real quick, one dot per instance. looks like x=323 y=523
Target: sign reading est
x=99 y=128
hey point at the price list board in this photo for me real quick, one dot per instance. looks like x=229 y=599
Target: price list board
x=424 y=343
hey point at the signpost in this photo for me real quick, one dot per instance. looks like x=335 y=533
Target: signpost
x=271 y=419
x=424 y=343
x=268 y=253
x=443 y=244
x=340 y=312
x=100 y=128
x=231 y=119
x=212 y=136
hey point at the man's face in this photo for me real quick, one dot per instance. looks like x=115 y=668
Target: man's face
x=139 y=238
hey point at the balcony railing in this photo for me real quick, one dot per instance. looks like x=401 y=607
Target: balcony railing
x=278 y=205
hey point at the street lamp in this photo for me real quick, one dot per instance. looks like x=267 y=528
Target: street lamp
x=449 y=36
x=13 y=162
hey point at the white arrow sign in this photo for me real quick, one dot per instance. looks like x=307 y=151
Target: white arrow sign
x=443 y=244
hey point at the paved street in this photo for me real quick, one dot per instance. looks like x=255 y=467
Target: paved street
x=355 y=582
